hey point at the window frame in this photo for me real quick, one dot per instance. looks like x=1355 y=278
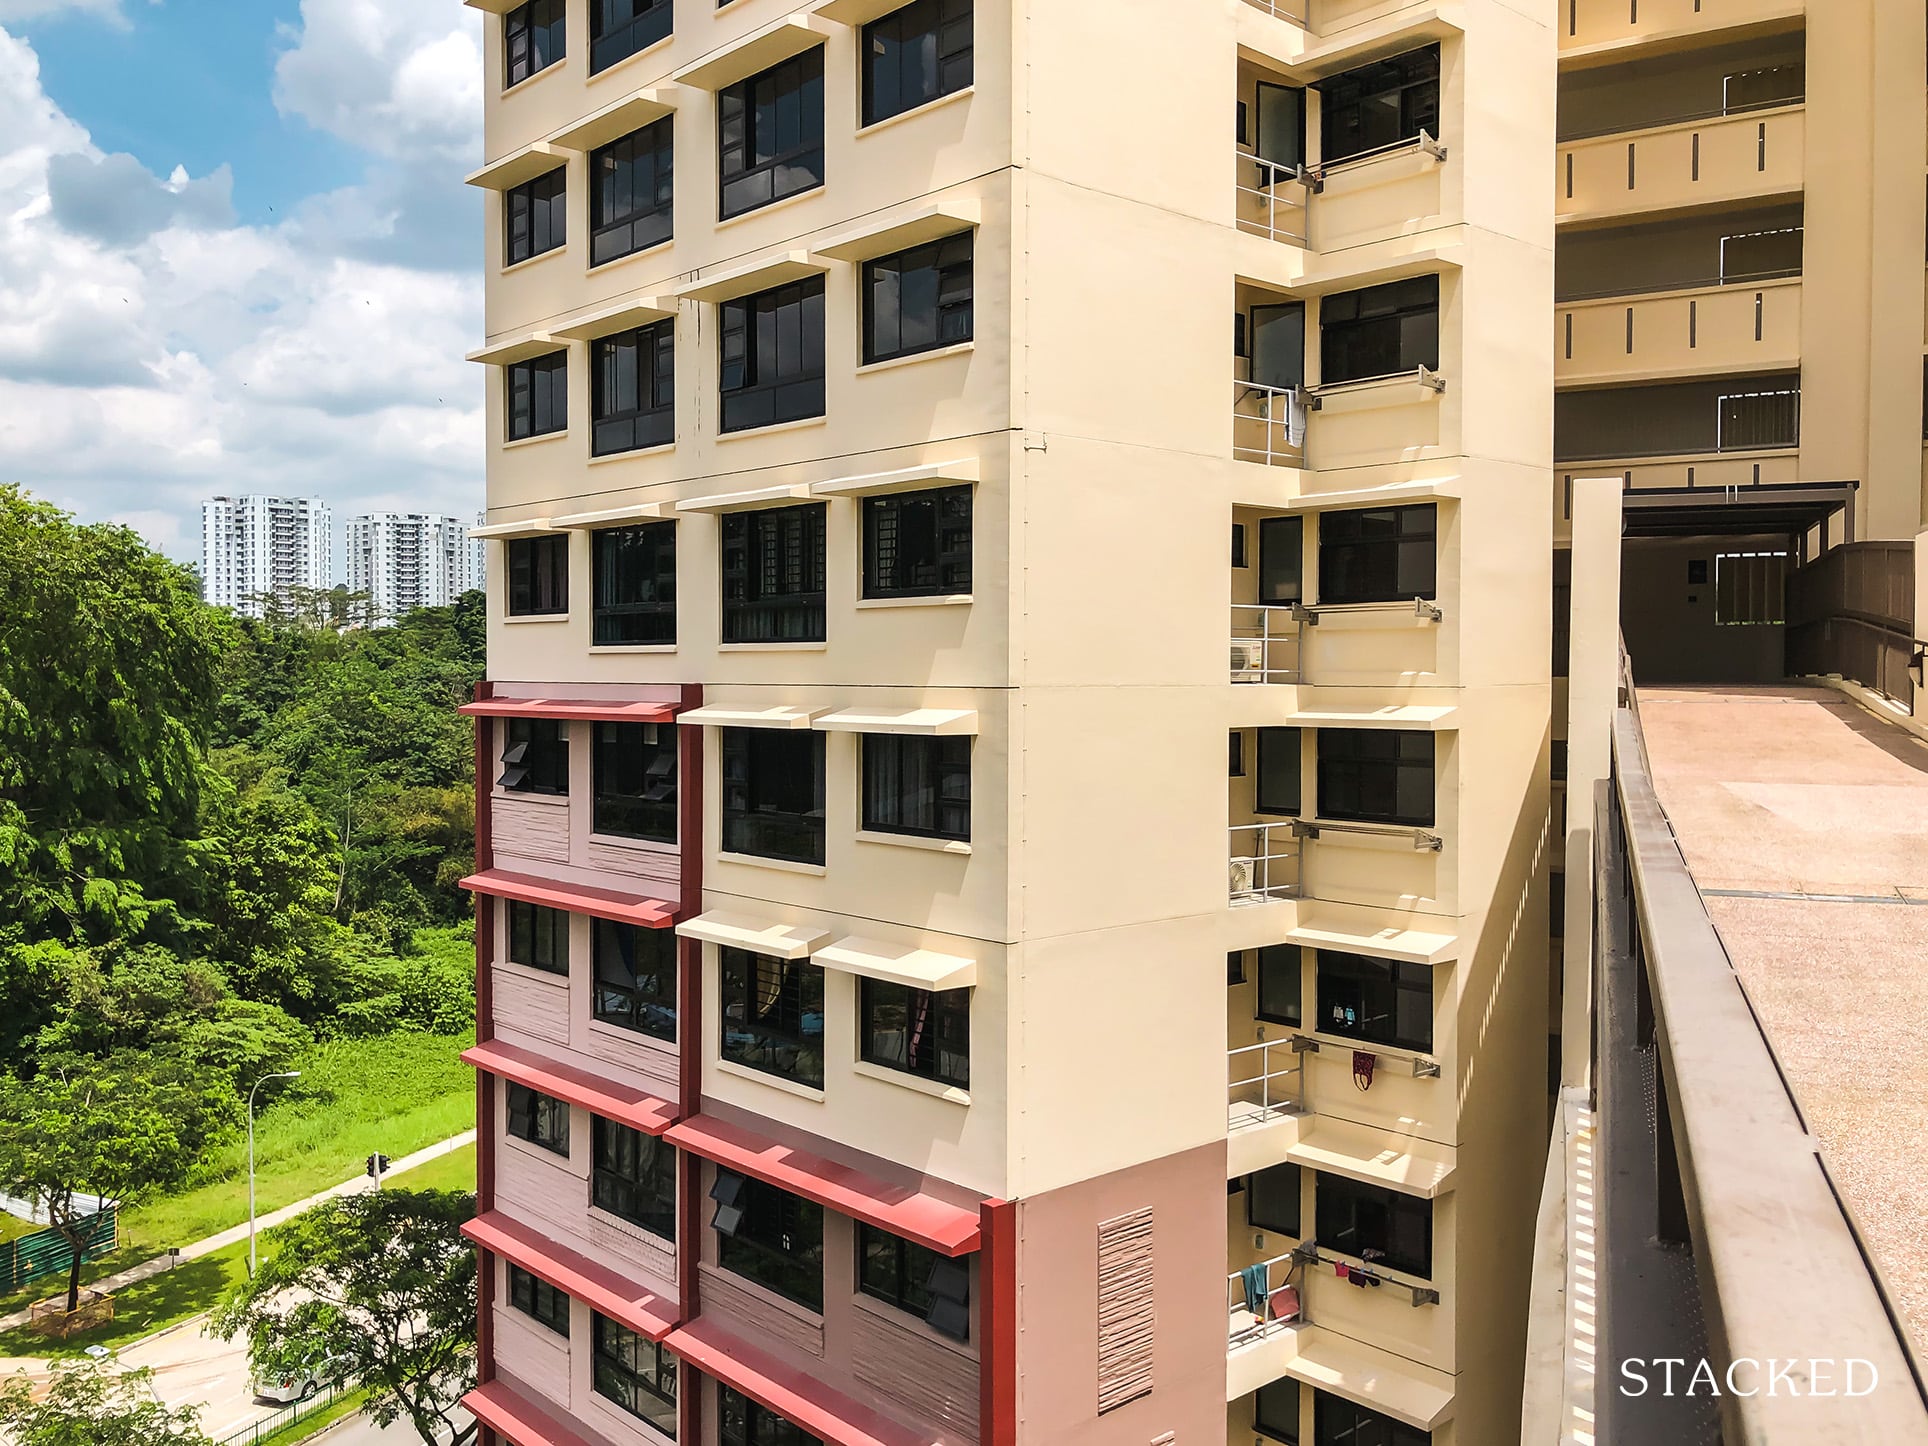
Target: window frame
x=1358 y=743
x=545 y=756
x=737 y=105
x=651 y=814
x=630 y=1180
x=891 y=798
x=614 y=168
x=774 y=573
x=620 y=419
x=792 y=991
x=934 y=549
x=1381 y=985
x=1276 y=956
x=622 y=1361
x=538 y=1299
x=875 y=48
x=768 y=1248
x=1376 y=332
x=545 y=379
x=536 y=1119
x=1328 y=1429
x=646 y=1003
x=792 y=312
x=528 y=928
x=951 y=262
x=1258 y=1212
x=1270 y=1427
x=535 y=217
x=544 y=593
x=1340 y=1231
x=915 y=1279
x=640 y=25
x=555 y=27
x=948 y=1015
x=761 y=1426
x=618 y=618
x=1415 y=77
x=1396 y=567
x=771 y=830
x=1290 y=748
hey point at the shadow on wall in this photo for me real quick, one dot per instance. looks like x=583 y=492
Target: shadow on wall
x=1678 y=631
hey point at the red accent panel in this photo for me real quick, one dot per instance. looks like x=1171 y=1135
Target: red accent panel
x=625 y=1105
x=484 y=1031
x=519 y=1419
x=946 y=1228
x=633 y=1305
x=624 y=908
x=575 y=710
x=791 y=1393
x=997 y=1275
x=689 y=1005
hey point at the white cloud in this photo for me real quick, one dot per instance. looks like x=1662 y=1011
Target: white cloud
x=153 y=351
x=14 y=11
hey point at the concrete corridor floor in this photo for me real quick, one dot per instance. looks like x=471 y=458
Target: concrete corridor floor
x=1805 y=821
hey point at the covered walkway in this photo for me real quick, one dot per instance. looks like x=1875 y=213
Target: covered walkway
x=1804 y=820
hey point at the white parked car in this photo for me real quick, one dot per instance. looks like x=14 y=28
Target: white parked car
x=285 y=1390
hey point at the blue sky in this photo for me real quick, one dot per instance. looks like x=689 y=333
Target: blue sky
x=236 y=255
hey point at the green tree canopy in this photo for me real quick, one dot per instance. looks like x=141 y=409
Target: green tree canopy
x=87 y=1405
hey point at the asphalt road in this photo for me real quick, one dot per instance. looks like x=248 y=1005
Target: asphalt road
x=191 y=1369
x=360 y=1431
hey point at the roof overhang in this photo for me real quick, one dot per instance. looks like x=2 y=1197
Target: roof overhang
x=625 y=315
x=905 y=479
x=615 y=516
x=617 y=119
x=917 y=722
x=900 y=231
x=575 y=710
x=514 y=1417
x=754 y=500
x=1402 y=1389
x=596 y=1093
x=771 y=269
x=1411 y=716
x=519 y=347
x=639 y=909
x=1374 y=1157
x=772 y=937
x=759 y=50
x=535 y=159
x=502 y=531
x=898 y=963
x=1389 y=941
x=575 y=1275
x=725 y=715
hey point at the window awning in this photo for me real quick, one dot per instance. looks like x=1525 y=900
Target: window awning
x=881 y=237
x=515 y=1417
x=1393 y=941
x=752 y=501
x=519 y=347
x=575 y=710
x=759 y=50
x=771 y=269
x=853 y=12
x=901 y=1209
x=758 y=935
x=1374 y=1157
x=640 y=909
x=493 y=7
x=1437 y=489
x=624 y=315
x=501 y=531
x=577 y=1276
x=898 y=963
x=793 y=1394
x=1402 y=1389
x=920 y=722
x=518 y=166
x=636 y=1108
x=1413 y=716
x=905 y=479
x=615 y=516
x=617 y=119
x=726 y=715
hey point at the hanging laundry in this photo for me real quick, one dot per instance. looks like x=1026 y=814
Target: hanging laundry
x=1295 y=418
x=1253 y=1278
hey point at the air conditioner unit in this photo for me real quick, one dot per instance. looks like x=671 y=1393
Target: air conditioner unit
x=1248 y=660
x=1245 y=874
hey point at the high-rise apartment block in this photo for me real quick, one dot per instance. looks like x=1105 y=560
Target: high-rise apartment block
x=907 y=695
x=255 y=547
x=409 y=560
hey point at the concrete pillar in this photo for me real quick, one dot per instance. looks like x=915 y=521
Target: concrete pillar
x=1593 y=682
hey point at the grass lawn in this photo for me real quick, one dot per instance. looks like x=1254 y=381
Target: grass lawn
x=314 y=1424
x=453 y=1171
x=12 y=1227
x=141 y=1309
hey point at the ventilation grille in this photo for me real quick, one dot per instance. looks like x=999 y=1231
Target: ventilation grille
x=1125 y=1309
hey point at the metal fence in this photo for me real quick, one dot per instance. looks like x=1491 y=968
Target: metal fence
x=268 y=1426
x=47 y=1253
x=1851 y=612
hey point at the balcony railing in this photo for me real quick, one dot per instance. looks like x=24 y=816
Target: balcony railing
x=1273 y=200
x=1267 y=1081
x=1265 y=643
x=1264 y=1299
x=1265 y=862
x=1269 y=423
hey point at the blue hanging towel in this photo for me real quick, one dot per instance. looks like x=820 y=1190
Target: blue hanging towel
x=1254 y=1281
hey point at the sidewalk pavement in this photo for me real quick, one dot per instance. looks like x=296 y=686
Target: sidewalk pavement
x=360 y=1185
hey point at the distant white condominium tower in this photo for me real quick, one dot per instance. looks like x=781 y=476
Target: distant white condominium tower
x=251 y=546
x=407 y=560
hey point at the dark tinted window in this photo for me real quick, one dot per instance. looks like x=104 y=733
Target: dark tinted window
x=916 y=1279
x=772 y=1015
x=918 y=786
x=1279 y=772
x=539 y=1119
x=633 y=389
x=770 y=134
x=771 y=1237
x=1382 y=1001
x=1373 y=1224
x=630 y=193
x=1275 y=1411
x=635 y=781
x=1272 y=1200
x=538 y=937
x=914 y=55
x=773 y=575
x=535 y=756
x=634 y=1177
x=538 y=395
x=1376 y=775
x=918 y=300
x=635 y=584
x=635 y=972
x=1380 y=105
x=636 y=1373
x=1281 y=984
x=1339 y=1422
x=535 y=216
x=1381 y=331
x=620 y=28
x=1281 y=560
x=917 y=1031
x=534 y=37
x=1379 y=554
x=773 y=793
x=744 y=1423
x=539 y=1300
x=918 y=544
x=772 y=356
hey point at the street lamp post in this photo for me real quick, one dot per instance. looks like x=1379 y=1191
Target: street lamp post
x=290 y=1074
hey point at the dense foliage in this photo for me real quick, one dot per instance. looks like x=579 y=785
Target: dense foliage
x=90 y=1403
x=219 y=837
